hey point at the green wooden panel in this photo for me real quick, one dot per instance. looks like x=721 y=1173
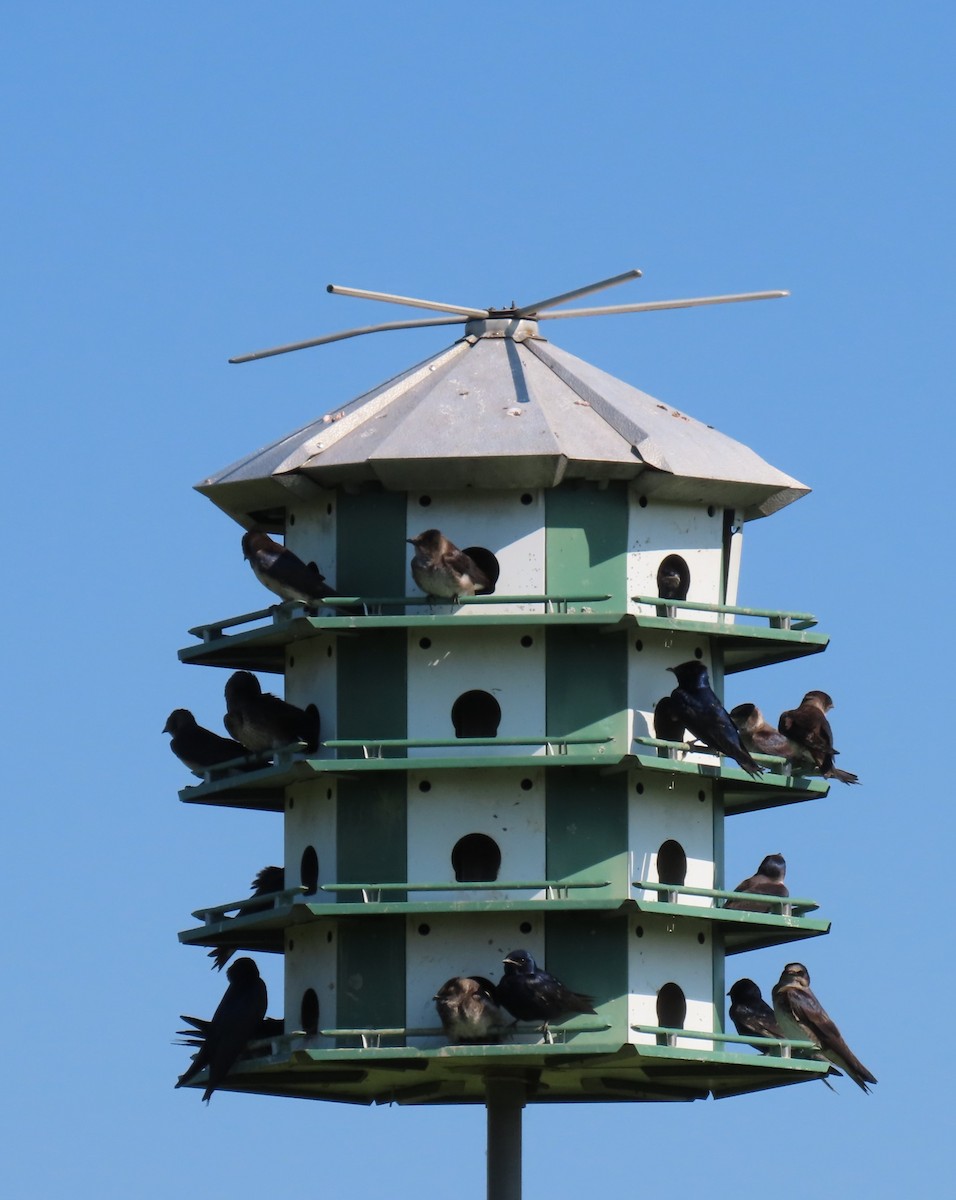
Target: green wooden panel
x=586 y=687
x=371 y=551
x=371 y=676
x=371 y=975
x=371 y=821
x=586 y=817
x=588 y=953
x=586 y=540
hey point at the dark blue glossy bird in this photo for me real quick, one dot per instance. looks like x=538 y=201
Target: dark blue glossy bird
x=753 y=1017
x=198 y=748
x=533 y=995
x=261 y=721
x=237 y=1019
x=694 y=702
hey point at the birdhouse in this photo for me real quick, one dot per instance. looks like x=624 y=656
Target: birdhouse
x=488 y=776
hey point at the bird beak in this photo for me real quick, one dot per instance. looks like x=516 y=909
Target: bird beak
x=671 y=669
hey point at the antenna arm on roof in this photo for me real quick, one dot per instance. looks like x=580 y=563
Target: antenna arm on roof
x=526 y=309
x=345 y=333
x=409 y=300
x=655 y=305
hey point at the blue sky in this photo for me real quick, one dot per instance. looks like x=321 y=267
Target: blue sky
x=183 y=180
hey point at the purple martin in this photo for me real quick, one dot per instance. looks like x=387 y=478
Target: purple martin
x=695 y=703
x=269 y=1027
x=768 y=881
x=196 y=747
x=268 y=881
x=760 y=737
x=801 y=1015
x=468 y=1010
x=440 y=569
x=809 y=728
x=668 y=726
x=283 y=572
x=533 y=995
x=752 y=1016
x=261 y=721
x=237 y=1019
x=672 y=582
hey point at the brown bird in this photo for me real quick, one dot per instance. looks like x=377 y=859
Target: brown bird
x=441 y=569
x=261 y=721
x=801 y=1015
x=199 y=748
x=768 y=881
x=760 y=737
x=469 y=1012
x=809 y=728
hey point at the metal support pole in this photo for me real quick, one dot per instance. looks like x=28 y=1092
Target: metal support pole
x=504 y=1099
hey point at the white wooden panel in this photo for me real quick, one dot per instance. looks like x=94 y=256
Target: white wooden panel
x=672 y=810
x=311 y=963
x=311 y=535
x=463 y=802
x=310 y=678
x=310 y=820
x=661 y=529
x=669 y=952
x=456 y=661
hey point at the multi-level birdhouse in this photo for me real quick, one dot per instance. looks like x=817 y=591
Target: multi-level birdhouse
x=488 y=776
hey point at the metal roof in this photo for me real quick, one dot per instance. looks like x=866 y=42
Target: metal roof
x=504 y=408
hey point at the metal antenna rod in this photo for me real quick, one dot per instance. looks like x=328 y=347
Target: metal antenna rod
x=527 y=309
x=655 y=305
x=409 y=300
x=345 y=333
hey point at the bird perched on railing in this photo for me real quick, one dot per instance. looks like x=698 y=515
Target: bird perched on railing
x=440 y=569
x=284 y=573
x=266 y=883
x=809 y=728
x=694 y=702
x=468 y=1009
x=760 y=737
x=801 y=1015
x=261 y=721
x=768 y=881
x=237 y=1019
x=753 y=1017
x=534 y=995
x=199 y=748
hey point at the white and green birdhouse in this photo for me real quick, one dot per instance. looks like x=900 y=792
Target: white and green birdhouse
x=488 y=776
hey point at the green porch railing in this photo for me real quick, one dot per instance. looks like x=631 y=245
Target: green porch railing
x=783 y=1046
x=777 y=619
x=557 y=888
x=786 y=906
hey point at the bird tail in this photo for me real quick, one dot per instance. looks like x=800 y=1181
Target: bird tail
x=843 y=776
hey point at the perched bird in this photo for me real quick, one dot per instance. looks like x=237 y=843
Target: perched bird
x=753 y=1017
x=672 y=583
x=809 y=728
x=533 y=995
x=283 y=572
x=261 y=721
x=751 y=1014
x=768 y=881
x=468 y=1010
x=441 y=569
x=760 y=737
x=695 y=703
x=196 y=747
x=237 y=1019
x=268 y=881
x=668 y=726
x=800 y=1015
